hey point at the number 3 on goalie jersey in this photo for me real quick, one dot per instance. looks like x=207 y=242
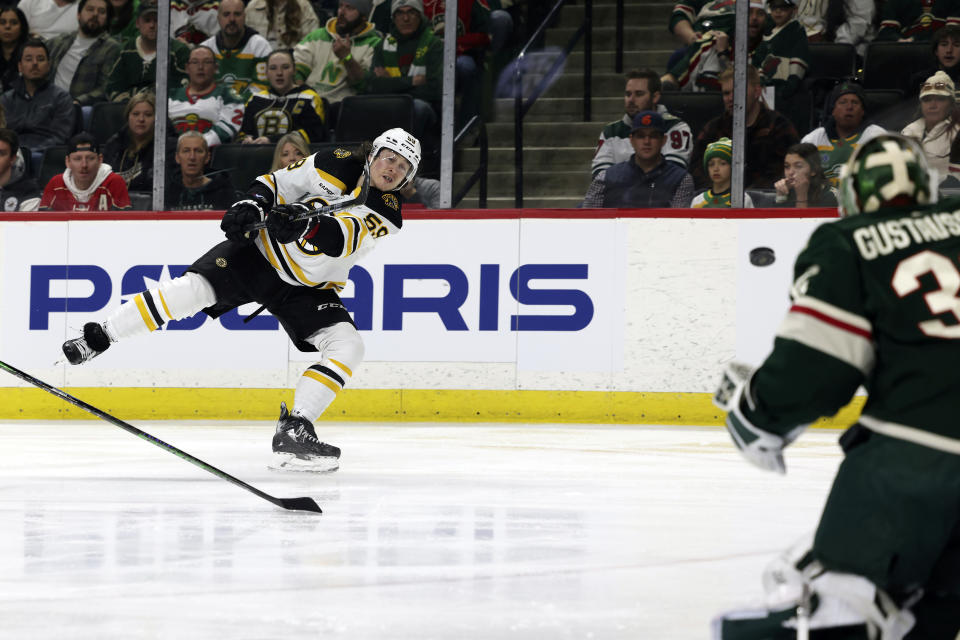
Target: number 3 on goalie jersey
x=945 y=299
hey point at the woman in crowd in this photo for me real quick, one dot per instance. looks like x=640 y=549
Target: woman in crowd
x=283 y=23
x=130 y=151
x=290 y=148
x=14 y=31
x=937 y=126
x=804 y=183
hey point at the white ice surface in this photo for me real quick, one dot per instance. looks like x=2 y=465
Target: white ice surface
x=429 y=531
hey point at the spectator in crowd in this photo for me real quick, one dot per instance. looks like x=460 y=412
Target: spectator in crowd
x=645 y=180
x=290 y=148
x=914 y=20
x=14 y=32
x=123 y=25
x=768 y=134
x=700 y=65
x=50 y=18
x=136 y=67
x=946 y=58
x=241 y=52
x=425 y=191
x=88 y=184
x=937 y=127
x=130 y=151
x=82 y=60
x=804 y=184
x=189 y=187
x=283 y=23
x=783 y=55
x=203 y=105
x=334 y=60
x=642 y=93
x=844 y=130
x=850 y=22
x=717 y=164
x=193 y=21
x=477 y=23
x=268 y=115
x=409 y=61
x=38 y=110
x=18 y=190
x=691 y=21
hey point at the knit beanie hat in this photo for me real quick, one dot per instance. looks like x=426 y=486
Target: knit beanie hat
x=363 y=6
x=416 y=4
x=843 y=89
x=939 y=84
x=722 y=148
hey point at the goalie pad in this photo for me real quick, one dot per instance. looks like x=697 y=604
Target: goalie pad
x=826 y=600
x=759 y=447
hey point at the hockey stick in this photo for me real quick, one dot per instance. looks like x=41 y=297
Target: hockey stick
x=294 y=504
x=333 y=207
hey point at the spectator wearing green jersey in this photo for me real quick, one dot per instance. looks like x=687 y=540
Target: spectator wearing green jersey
x=409 y=60
x=241 y=52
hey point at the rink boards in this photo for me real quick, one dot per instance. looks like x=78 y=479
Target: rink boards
x=532 y=315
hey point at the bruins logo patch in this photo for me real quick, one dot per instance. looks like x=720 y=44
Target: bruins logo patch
x=391 y=201
x=221 y=262
x=342 y=153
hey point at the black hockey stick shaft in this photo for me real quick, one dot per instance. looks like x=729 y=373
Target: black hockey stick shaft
x=295 y=504
x=327 y=209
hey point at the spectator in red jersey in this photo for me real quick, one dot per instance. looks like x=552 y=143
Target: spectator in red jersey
x=87 y=184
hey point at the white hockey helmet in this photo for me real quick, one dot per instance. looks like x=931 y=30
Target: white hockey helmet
x=404 y=145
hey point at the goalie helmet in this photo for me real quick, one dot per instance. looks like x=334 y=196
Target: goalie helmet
x=889 y=170
x=404 y=145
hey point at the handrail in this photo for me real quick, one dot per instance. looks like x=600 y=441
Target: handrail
x=481 y=172
x=521 y=107
x=618 y=56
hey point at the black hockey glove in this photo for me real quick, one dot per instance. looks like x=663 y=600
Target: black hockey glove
x=238 y=217
x=281 y=224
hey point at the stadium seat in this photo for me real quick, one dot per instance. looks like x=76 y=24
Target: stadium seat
x=887 y=108
x=888 y=65
x=106 y=119
x=366 y=117
x=696 y=109
x=244 y=162
x=141 y=200
x=53 y=163
x=832 y=60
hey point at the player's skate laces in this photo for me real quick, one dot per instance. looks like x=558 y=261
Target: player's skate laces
x=297 y=443
x=93 y=342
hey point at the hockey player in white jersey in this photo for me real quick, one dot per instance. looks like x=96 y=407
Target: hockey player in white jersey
x=294 y=268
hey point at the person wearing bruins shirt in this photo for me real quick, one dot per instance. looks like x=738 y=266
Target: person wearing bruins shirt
x=294 y=268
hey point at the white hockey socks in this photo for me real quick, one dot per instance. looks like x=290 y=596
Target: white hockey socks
x=341 y=350
x=172 y=300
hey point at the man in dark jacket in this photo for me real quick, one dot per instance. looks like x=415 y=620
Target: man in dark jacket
x=769 y=135
x=410 y=60
x=190 y=188
x=646 y=180
x=18 y=190
x=39 y=111
x=82 y=60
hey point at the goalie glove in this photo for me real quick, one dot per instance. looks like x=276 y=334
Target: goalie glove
x=238 y=217
x=762 y=448
x=282 y=225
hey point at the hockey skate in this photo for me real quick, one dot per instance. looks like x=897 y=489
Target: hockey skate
x=87 y=347
x=297 y=448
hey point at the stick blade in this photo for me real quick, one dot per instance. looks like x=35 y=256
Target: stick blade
x=300 y=504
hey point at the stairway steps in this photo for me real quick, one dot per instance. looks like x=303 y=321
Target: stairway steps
x=536 y=183
x=534 y=158
x=561 y=109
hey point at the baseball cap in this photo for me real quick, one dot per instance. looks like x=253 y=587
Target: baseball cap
x=83 y=141
x=649 y=120
x=147 y=7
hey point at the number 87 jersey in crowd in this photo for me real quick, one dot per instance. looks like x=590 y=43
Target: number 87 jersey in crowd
x=319 y=252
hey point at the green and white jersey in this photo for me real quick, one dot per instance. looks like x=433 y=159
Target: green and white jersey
x=875 y=301
x=217 y=114
x=835 y=151
x=243 y=68
x=323 y=71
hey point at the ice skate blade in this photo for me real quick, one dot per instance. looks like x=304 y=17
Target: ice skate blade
x=290 y=462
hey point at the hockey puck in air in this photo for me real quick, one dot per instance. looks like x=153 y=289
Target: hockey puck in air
x=762 y=256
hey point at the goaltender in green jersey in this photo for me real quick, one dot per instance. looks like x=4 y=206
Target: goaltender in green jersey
x=875 y=302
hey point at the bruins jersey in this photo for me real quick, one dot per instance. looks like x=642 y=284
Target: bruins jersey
x=318 y=180
x=875 y=301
